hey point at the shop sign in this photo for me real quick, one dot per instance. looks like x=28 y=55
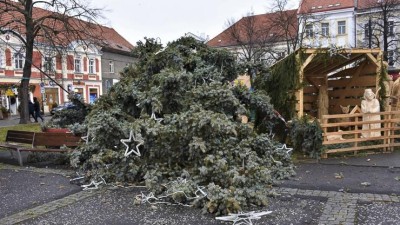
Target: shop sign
x=9 y=92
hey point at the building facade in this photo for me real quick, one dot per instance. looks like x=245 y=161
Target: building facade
x=327 y=23
x=352 y=24
x=77 y=68
x=260 y=38
x=323 y=24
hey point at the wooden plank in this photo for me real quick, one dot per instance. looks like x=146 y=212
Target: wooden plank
x=56 y=139
x=361 y=114
x=347 y=124
x=344 y=102
x=308 y=98
x=337 y=64
x=344 y=73
x=373 y=59
x=355 y=92
x=366 y=81
x=352 y=51
x=15 y=136
x=344 y=132
x=310 y=89
x=308 y=107
x=353 y=140
x=308 y=60
x=330 y=151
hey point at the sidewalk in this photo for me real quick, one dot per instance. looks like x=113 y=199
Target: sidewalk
x=14 y=120
x=357 y=190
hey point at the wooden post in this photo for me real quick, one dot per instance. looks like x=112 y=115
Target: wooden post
x=386 y=140
x=389 y=131
x=325 y=129
x=356 y=134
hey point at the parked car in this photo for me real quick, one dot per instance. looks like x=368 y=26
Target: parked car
x=67 y=105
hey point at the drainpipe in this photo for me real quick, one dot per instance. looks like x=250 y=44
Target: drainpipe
x=355 y=22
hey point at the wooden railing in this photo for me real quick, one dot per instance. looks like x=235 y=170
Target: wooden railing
x=343 y=133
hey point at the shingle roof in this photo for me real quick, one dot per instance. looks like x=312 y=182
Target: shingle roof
x=312 y=6
x=267 y=24
x=104 y=36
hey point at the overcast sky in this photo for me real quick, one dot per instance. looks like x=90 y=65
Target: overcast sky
x=171 y=19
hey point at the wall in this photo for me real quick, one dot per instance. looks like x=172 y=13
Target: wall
x=332 y=17
x=120 y=62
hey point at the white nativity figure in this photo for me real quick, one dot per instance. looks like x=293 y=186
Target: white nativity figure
x=370 y=105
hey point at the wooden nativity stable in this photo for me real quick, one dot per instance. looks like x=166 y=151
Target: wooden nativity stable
x=341 y=74
x=332 y=79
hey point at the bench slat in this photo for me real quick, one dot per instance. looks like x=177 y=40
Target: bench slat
x=56 y=140
x=25 y=137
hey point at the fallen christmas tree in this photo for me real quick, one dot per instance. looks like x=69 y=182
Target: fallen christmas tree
x=173 y=123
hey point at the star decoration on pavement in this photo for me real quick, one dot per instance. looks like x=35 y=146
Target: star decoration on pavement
x=135 y=150
x=288 y=150
x=93 y=185
x=242 y=218
x=153 y=116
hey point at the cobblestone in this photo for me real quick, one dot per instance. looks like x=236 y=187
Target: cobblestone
x=340 y=208
x=46 y=208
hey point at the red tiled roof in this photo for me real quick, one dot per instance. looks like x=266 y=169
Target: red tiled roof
x=104 y=36
x=366 y=4
x=312 y=6
x=268 y=25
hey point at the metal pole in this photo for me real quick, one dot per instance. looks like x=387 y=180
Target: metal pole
x=369 y=33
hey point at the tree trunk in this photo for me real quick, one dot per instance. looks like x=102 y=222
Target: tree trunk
x=24 y=88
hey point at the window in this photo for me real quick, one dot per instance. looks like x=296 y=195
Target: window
x=48 y=64
x=281 y=55
x=78 y=64
x=92 y=66
x=325 y=29
x=390 y=58
x=18 y=60
x=342 y=27
x=111 y=66
x=309 y=31
x=366 y=30
x=108 y=85
x=391 y=28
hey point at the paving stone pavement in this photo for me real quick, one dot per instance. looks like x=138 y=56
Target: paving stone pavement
x=340 y=207
x=46 y=208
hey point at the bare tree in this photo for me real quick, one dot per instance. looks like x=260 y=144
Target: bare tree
x=54 y=23
x=288 y=23
x=252 y=36
x=378 y=22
